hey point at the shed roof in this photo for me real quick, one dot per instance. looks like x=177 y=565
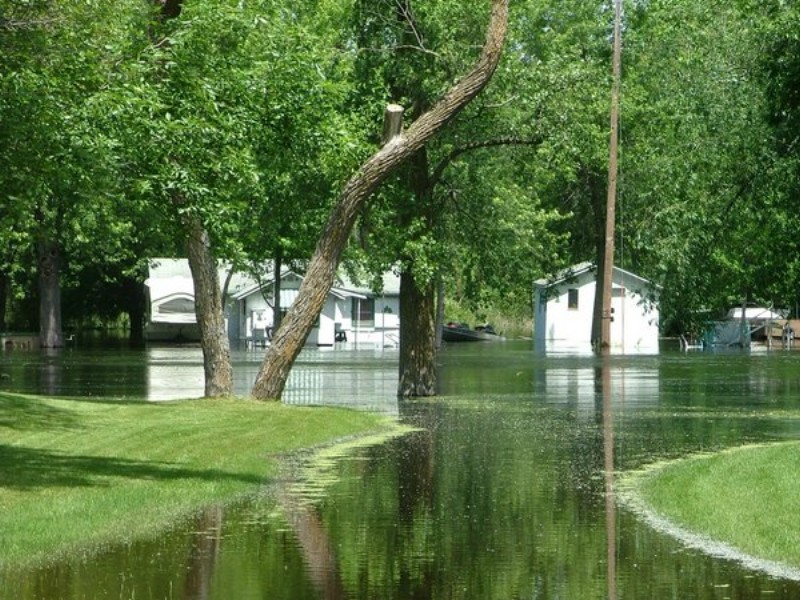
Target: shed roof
x=582 y=268
x=756 y=313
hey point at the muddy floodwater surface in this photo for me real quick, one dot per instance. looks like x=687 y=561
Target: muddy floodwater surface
x=506 y=488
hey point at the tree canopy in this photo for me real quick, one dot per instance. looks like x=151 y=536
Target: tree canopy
x=258 y=113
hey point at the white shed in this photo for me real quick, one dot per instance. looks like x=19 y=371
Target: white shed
x=564 y=306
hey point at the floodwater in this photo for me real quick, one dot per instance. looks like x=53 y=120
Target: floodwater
x=506 y=490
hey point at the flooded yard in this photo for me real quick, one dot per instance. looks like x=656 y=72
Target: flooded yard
x=506 y=489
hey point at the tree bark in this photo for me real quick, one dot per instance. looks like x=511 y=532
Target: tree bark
x=276 y=291
x=597 y=196
x=209 y=311
x=417 y=338
x=208 y=299
x=439 y=310
x=597 y=308
x=289 y=339
x=417 y=374
x=3 y=300
x=137 y=300
x=50 y=333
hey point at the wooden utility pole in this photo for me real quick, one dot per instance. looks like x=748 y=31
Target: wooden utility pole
x=611 y=203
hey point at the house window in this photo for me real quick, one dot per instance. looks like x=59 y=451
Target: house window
x=572 y=299
x=363 y=312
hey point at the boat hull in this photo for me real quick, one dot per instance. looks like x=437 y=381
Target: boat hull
x=460 y=333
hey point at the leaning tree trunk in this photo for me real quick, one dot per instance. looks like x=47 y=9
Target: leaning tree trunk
x=50 y=334
x=417 y=338
x=210 y=313
x=289 y=339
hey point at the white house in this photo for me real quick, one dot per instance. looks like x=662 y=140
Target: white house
x=361 y=316
x=352 y=312
x=564 y=306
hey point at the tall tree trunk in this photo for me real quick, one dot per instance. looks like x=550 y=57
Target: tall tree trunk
x=289 y=339
x=3 y=300
x=596 y=191
x=136 y=301
x=417 y=338
x=209 y=303
x=439 y=309
x=50 y=334
x=417 y=299
x=276 y=291
x=597 y=308
x=209 y=311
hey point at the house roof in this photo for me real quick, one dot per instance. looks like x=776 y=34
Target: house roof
x=168 y=276
x=582 y=268
x=390 y=284
x=253 y=287
x=345 y=287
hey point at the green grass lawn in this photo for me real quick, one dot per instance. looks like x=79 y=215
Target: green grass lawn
x=747 y=497
x=76 y=473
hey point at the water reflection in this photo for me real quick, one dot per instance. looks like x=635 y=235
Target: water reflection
x=507 y=490
x=603 y=380
x=360 y=378
x=318 y=550
x=205 y=544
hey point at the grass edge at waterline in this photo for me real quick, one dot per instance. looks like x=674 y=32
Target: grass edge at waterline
x=82 y=473
x=739 y=504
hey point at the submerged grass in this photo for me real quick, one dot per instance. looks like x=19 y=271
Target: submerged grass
x=745 y=498
x=75 y=474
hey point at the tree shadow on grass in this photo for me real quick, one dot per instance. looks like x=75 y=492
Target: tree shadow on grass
x=23 y=413
x=30 y=468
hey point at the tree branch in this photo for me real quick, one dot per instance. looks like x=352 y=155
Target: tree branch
x=438 y=171
x=392 y=49
x=11 y=24
x=404 y=10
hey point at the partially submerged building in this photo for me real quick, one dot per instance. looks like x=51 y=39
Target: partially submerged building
x=746 y=324
x=353 y=312
x=564 y=309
